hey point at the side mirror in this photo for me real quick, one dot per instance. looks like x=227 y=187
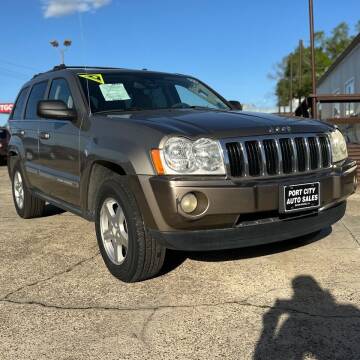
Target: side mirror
x=55 y=109
x=235 y=105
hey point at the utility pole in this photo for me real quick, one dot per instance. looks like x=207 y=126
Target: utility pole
x=300 y=69
x=291 y=83
x=313 y=64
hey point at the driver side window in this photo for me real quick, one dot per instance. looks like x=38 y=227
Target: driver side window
x=60 y=91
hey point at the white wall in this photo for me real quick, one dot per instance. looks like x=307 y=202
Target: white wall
x=347 y=70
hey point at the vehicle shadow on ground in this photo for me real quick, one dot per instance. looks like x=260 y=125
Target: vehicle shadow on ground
x=174 y=259
x=51 y=210
x=310 y=324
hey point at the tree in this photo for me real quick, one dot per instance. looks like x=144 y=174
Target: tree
x=301 y=82
x=338 y=41
x=357 y=27
x=327 y=49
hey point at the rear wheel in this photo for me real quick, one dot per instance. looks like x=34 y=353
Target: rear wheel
x=129 y=252
x=27 y=206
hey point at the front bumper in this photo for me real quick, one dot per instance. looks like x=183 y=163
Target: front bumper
x=251 y=235
x=225 y=215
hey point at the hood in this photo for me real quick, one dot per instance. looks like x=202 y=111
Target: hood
x=221 y=124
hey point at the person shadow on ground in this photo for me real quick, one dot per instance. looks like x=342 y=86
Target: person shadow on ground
x=311 y=325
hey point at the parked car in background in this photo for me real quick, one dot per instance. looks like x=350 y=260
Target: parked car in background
x=161 y=160
x=4 y=140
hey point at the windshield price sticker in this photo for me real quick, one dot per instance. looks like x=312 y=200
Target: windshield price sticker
x=302 y=196
x=114 y=92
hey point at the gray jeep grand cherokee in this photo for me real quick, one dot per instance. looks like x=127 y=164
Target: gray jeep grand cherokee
x=162 y=161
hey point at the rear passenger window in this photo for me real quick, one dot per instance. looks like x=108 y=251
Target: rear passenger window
x=19 y=105
x=60 y=91
x=37 y=94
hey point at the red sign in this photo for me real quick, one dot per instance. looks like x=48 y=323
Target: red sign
x=6 y=108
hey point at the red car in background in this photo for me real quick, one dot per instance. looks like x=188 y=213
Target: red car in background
x=4 y=140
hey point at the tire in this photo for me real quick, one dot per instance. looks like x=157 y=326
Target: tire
x=30 y=206
x=119 y=225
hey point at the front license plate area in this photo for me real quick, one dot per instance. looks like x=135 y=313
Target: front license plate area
x=301 y=197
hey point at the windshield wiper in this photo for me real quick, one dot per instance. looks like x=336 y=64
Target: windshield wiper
x=198 y=107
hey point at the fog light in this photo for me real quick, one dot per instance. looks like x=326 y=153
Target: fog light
x=188 y=203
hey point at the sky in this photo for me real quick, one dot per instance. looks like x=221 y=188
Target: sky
x=232 y=45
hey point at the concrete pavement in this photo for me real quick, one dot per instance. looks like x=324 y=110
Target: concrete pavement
x=294 y=300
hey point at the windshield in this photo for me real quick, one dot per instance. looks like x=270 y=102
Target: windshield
x=131 y=92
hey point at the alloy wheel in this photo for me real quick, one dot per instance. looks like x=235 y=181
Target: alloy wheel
x=114 y=231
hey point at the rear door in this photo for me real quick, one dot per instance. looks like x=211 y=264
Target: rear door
x=59 y=148
x=26 y=129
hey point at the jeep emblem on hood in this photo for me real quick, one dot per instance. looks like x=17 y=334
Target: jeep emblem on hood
x=279 y=129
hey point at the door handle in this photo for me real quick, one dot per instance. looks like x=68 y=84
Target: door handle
x=44 y=135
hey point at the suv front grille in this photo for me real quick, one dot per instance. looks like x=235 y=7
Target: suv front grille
x=276 y=156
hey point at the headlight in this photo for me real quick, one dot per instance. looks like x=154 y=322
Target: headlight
x=207 y=155
x=178 y=154
x=200 y=157
x=338 y=146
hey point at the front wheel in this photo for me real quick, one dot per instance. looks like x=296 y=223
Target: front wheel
x=129 y=252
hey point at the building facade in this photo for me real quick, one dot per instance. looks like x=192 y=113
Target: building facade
x=343 y=77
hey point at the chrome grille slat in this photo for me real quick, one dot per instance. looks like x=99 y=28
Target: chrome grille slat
x=314 y=156
x=263 y=169
x=329 y=149
x=277 y=155
x=246 y=160
x=295 y=156
x=320 y=160
x=307 y=157
x=280 y=163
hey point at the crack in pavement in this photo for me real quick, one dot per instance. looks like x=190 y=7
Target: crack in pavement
x=67 y=270
x=145 y=327
x=16 y=217
x=154 y=309
x=350 y=232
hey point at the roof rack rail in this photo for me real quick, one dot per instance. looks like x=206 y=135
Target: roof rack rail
x=63 y=66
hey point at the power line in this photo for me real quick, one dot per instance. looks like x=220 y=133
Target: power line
x=18 y=65
x=5 y=72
